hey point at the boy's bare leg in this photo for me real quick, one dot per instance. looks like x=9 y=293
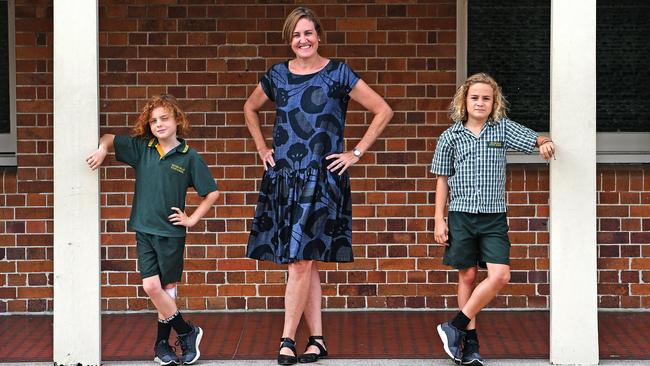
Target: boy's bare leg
x=498 y=276
x=165 y=305
x=313 y=314
x=295 y=298
x=466 y=278
x=166 y=288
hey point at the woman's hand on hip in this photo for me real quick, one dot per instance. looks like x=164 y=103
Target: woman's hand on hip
x=341 y=161
x=266 y=155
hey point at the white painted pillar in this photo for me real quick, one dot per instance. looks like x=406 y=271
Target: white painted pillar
x=573 y=277
x=77 y=307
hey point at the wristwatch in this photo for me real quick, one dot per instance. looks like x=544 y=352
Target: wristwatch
x=356 y=152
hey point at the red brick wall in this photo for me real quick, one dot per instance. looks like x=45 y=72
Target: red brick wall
x=211 y=57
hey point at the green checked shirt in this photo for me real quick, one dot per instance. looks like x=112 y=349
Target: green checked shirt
x=476 y=166
x=161 y=182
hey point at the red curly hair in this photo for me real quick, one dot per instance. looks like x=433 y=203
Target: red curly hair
x=168 y=102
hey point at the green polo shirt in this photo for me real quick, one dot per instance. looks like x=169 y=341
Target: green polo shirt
x=161 y=182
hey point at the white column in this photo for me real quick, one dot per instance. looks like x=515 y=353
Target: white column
x=573 y=277
x=77 y=307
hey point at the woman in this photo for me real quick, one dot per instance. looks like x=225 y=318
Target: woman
x=304 y=214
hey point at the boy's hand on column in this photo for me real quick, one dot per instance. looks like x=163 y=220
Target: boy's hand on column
x=547 y=150
x=96 y=159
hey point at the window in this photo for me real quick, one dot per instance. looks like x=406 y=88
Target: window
x=510 y=39
x=7 y=85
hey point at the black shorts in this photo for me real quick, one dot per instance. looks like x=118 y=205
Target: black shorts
x=477 y=239
x=160 y=255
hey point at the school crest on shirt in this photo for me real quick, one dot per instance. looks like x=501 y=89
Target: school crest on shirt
x=177 y=168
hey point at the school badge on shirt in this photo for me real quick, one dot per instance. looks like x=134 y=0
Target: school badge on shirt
x=495 y=144
x=178 y=168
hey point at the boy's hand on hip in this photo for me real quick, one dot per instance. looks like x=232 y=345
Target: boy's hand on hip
x=441 y=232
x=180 y=218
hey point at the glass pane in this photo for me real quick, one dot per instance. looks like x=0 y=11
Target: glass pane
x=623 y=64
x=509 y=39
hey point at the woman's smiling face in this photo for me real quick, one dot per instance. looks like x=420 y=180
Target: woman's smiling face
x=304 y=39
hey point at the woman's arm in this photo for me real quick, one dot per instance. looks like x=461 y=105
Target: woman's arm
x=373 y=102
x=251 y=113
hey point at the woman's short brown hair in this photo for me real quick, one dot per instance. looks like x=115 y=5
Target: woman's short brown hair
x=168 y=102
x=294 y=17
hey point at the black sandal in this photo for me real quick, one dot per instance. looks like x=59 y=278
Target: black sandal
x=313 y=357
x=286 y=359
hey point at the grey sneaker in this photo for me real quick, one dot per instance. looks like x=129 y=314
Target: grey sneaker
x=471 y=356
x=165 y=354
x=452 y=339
x=189 y=343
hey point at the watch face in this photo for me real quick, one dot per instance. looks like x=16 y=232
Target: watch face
x=356 y=152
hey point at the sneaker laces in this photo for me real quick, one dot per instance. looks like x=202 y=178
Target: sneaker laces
x=180 y=341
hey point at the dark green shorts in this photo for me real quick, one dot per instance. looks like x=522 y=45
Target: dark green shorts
x=477 y=239
x=160 y=255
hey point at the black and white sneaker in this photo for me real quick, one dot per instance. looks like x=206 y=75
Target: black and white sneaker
x=165 y=354
x=452 y=340
x=189 y=343
x=471 y=356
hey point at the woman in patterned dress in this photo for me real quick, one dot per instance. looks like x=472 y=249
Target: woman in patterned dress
x=304 y=213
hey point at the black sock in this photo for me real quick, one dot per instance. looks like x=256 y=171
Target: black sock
x=460 y=321
x=179 y=325
x=471 y=334
x=164 y=329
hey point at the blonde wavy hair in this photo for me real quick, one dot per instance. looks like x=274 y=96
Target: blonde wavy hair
x=295 y=16
x=458 y=106
x=168 y=102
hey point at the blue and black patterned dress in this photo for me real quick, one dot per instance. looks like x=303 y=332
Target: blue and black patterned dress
x=304 y=210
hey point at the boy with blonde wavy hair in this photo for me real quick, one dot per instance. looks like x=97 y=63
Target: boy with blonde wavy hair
x=470 y=161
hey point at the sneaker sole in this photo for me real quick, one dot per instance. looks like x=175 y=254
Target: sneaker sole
x=162 y=363
x=445 y=345
x=473 y=363
x=198 y=352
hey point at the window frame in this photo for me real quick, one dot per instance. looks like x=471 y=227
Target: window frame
x=612 y=147
x=8 y=141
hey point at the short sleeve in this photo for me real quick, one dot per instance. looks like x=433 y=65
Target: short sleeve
x=443 y=158
x=267 y=84
x=129 y=149
x=202 y=179
x=519 y=138
x=347 y=77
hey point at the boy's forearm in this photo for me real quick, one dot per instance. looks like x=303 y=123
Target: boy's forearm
x=106 y=141
x=205 y=206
